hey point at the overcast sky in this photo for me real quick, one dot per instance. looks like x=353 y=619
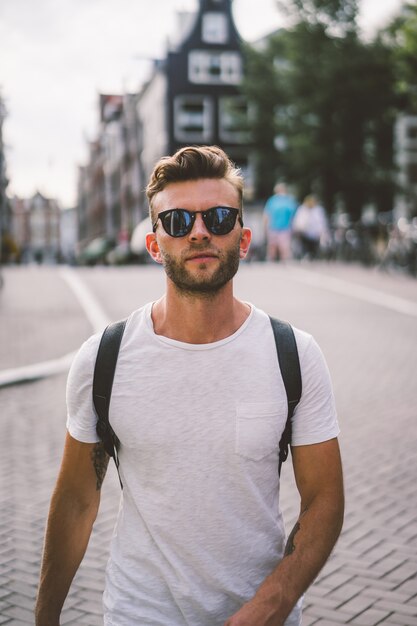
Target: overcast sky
x=57 y=55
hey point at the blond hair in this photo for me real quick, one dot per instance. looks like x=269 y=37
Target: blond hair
x=193 y=163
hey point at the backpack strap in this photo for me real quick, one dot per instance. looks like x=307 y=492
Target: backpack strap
x=104 y=370
x=289 y=364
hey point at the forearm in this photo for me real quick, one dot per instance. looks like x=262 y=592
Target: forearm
x=67 y=535
x=308 y=547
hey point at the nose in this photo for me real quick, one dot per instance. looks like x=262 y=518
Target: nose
x=199 y=230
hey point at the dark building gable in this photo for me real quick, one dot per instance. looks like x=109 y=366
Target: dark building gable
x=204 y=75
x=214 y=26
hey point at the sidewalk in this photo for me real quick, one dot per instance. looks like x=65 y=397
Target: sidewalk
x=371 y=577
x=32 y=429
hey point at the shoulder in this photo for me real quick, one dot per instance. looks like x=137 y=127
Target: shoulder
x=86 y=355
x=311 y=356
x=83 y=364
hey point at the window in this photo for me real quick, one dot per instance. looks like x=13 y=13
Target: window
x=233 y=119
x=412 y=132
x=412 y=173
x=214 y=27
x=193 y=118
x=214 y=68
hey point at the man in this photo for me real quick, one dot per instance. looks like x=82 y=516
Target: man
x=198 y=404
x=278 y=214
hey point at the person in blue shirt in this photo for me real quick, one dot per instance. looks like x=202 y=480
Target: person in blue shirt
x=278 y=215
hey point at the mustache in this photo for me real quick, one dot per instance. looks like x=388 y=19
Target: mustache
x=193 y=248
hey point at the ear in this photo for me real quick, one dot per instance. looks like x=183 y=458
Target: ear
x=245 y=242
x=153 y=247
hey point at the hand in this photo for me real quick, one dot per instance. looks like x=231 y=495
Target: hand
x=254 y=614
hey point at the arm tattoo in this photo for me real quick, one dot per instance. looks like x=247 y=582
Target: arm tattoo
x=290 y=547
x=100 y=461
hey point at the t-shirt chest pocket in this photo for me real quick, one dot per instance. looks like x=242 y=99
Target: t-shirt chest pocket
x=259 y=426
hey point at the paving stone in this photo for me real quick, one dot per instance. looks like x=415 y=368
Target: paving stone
x=71 y=617
x=344 y=593
x=409 y=587
x=309 y=621
x=21 y=614
x=405 y=571
x=392 y=596
x=357 y=605
x=398 y=620
x=334 y=617
x=371 y=617
x=410 y=610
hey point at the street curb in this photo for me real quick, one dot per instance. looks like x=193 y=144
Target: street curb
x=36 y=371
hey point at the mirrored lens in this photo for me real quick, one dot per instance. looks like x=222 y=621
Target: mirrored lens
x=220 y=220
x=177 y=222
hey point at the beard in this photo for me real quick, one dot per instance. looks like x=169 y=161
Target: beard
x=200 y=284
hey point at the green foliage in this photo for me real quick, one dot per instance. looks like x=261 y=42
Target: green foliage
x=332 y=98
x=401 y=38
x=332 y=15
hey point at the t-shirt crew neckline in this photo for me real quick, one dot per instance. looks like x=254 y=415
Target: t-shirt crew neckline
x=194 y=346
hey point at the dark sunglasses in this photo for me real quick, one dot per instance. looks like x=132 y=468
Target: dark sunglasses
x=219 y=220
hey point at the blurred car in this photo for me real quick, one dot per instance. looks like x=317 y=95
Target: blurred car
x=137 y=241
x=95 y=252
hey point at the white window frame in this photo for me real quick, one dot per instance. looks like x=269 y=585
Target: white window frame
x=226 y=133
x=201 y=64
x=180 y=118
x=214 y=27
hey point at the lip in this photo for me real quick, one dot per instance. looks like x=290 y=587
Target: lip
x=202 y=256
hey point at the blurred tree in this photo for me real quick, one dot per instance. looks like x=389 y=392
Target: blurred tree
x=264 y=88
x=324 y=104
x=333 y=15
x=401 y=37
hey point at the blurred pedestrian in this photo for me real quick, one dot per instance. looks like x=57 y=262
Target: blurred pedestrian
x=278 y=215
x=310 y=227
x=198 y=408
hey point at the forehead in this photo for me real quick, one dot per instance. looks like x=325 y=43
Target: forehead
x=196 y=195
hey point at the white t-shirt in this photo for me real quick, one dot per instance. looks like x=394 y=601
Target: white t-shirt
x=199 y=526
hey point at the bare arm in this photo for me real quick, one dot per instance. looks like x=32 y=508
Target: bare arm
x=73 y=509
x=319 y=480
x=265 y=224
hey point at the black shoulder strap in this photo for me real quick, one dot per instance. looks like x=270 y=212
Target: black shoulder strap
x=289 y=364
x=104 y=369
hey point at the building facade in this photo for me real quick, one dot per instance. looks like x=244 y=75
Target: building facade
x=192 y=97
x=5 y=214
x=204 y=74
x=36 y=228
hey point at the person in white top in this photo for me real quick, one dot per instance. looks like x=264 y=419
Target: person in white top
x=198 y=405
x=310 y=227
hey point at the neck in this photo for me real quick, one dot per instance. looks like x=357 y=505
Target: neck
x=194 y=318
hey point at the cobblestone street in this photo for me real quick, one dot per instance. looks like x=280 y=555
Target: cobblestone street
x=366 y=324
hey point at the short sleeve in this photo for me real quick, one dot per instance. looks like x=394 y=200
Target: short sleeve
x=268 y=206
x=81 y=417
x=315 y=418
